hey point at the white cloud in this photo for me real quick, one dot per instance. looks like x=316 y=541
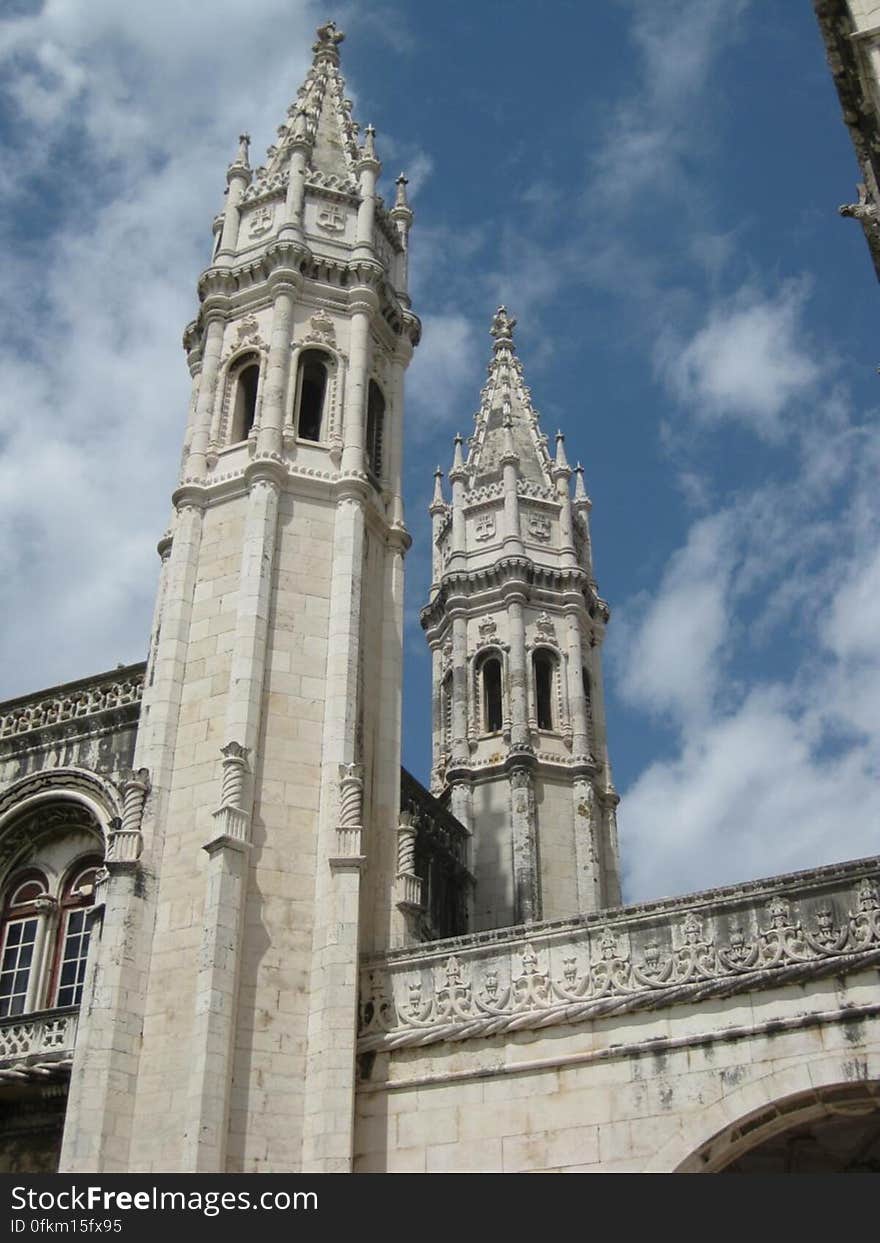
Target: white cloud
x=133 y=111
x=444 y=376
x=669 y=643
x=747 y=363
x=648 y=140
x=768 y=773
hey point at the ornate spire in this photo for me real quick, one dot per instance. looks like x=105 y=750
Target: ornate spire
x=437 y=501
x=507 y=423
x=319 y=120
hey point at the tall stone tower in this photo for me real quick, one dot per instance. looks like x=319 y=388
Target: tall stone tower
x=515 y=626
x=261 y=819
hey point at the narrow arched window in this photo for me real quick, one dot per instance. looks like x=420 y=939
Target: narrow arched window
x=375 y=428
x=77 y=899
x=543 y=664
x=244 y=408
x=490 y=673
x=311 y=394
x=21 y=937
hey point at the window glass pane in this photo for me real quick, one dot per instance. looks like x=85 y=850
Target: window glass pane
x=18 y=951
x=73 y=960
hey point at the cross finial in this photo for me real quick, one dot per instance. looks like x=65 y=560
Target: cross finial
x=502 y=327
x=327 y=46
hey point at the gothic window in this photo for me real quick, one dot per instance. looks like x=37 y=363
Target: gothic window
x=544 y=667
x=78 y=897
x=21 y=928
x=490 y=678
x=311 y=394
x=375 y=428
x=244 y=402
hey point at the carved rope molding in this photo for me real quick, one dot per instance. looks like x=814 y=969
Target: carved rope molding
x=641 y=958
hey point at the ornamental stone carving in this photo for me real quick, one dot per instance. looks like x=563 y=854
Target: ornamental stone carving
x=261 y=220
x=655 y=955
x=484 y=526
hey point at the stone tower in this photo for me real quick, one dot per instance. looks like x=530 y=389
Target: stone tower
x=267 y=769
x=515 y=626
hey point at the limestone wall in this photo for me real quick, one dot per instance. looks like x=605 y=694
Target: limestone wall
x=645 y=1039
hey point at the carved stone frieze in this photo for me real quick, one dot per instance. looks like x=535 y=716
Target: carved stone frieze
x=655 y=955
x=72 y=703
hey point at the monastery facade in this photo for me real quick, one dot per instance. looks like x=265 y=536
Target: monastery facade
x=237 y=937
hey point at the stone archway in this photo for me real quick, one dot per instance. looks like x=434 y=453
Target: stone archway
x=830 y=1129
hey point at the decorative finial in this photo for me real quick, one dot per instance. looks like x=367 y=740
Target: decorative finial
x=369 y=148
x=502 y=327
x=244 y=142
x=580 y=492
x=458 y=456
x=400 y=196
x=329 y=38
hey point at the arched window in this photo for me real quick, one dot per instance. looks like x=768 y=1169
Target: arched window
x=21 y=938
x=544 y=666
x=77 y=899
x=244 y=401
x=490 y=676
x=311 y=394
x=375 y=428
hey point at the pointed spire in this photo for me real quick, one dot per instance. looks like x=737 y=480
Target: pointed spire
x=580 y=492
x=438 y=504
x=400 y=199
x=561 y=463
x=319 y=120
x=457 y=456
x=368 y=150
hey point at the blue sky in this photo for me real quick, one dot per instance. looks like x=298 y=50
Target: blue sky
x=652 y=189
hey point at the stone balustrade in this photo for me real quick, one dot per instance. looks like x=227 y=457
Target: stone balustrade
x=761 y=934
x=49 y=1034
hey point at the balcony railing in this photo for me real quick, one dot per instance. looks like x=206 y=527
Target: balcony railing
x=38 y=1045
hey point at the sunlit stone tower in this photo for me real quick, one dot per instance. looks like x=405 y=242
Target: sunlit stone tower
x=515 y=625
x=268 y=754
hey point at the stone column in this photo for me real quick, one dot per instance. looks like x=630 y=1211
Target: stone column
x=277 y=370
x=587 y=846
x=196 y=464
x=458 y=547
x=394 y=440
x=296 y=181
x=518 y=675
x=510 y=469
x=333 y=983
x=207 y=1106
x=459 y=749
x=526 y=886
x=354 y=411
x=580 y=743
x=238 y=178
